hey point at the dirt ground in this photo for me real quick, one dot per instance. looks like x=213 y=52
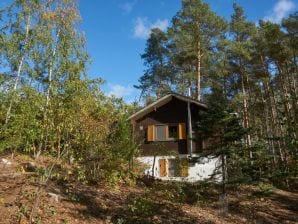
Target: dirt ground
x=23 y=197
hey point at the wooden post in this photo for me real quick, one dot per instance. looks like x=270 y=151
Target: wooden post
x=189 y=129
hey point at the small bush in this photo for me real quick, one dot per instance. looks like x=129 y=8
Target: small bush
x=139 y=210
x=182 y=192
x=264 y=190
x=142 y=206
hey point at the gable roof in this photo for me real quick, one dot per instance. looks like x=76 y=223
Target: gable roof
x=162 y=101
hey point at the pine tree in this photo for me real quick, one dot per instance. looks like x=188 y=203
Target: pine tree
x=239 y=57
x=157 y=79
x=193 y=38
x=221 y=130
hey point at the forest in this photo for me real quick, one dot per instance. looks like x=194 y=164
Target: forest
x=245 y=72
x=51 y=111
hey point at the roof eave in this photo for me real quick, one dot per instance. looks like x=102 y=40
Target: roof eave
x=152 y=106
x=162 y=101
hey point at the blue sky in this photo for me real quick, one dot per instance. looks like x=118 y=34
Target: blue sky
x=116 y=32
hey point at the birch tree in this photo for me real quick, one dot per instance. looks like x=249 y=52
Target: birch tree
x=17 y=41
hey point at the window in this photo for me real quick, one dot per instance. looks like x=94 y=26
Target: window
x=173 y=167
x=177 y=167
x=183 y=167
x=173 y=132
x=161 y=133
x=166 y=132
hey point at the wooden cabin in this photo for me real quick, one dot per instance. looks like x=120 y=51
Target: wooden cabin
x=165 y=130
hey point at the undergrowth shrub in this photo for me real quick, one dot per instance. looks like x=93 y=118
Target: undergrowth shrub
x=183 y=192
x=139 y=209
x=264 y=190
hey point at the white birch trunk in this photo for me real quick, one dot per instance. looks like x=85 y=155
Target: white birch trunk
x=48 y=93
x=18 y=75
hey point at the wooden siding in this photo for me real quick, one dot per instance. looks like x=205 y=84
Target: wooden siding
x=174 y=112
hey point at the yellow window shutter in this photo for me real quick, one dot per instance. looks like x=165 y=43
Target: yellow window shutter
x=184 y=168
x=150 y=133
x=182 y=131
x=162 y=167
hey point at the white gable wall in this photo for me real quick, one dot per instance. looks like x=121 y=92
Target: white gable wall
x=203 y=169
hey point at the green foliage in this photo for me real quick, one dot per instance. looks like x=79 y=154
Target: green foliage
x=48 y=105
x=139 y=208
x=264 y=190
x=255 y=69
x=75 y=197
x=222 y=129
x=248 y=74
x=158 y=75
x=143 y=206
x=183 y=192
x=193 y=38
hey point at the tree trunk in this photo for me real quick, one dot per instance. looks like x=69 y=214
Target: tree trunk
x=223 y=197
x=199 y=55
x=269 y=129
x=245 y=110
x=153 y=166
x=48 y=93
x=276 y=126
x=17 y=78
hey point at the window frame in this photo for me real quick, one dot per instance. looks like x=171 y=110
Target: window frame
x=167 y=138
x=178 y=167
x=155 y=133
x=177 y=132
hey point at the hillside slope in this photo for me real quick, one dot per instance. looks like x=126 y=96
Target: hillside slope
x=23 y=196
